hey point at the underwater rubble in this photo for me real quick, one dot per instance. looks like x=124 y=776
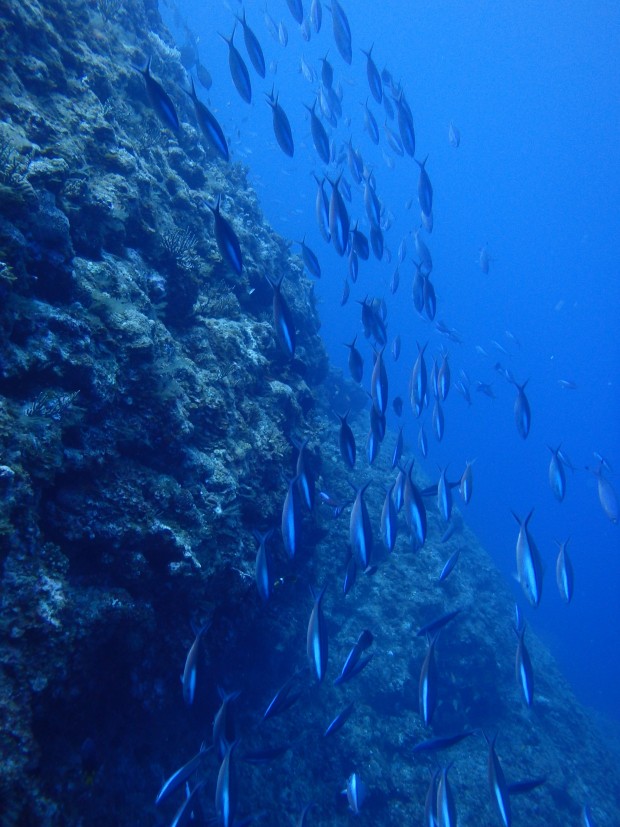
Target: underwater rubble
x=147 y=419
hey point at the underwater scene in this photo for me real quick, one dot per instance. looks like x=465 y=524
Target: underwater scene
x=309 y=399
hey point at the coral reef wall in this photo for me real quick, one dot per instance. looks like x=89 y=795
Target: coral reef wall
x=146 y=422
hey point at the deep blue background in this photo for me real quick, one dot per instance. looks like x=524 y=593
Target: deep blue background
x=534 y=91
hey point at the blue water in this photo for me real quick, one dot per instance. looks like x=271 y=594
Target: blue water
x=534 y=91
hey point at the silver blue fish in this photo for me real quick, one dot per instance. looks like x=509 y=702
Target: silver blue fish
x=342 y=31
x=291 y=519
x=238 y=69
x=316 y=638
x=523 y=668
x=564 y=573
x=427 y=687
x=209 y=125
x=159 y=99
x=192 y=666
x=226 y=239
x=497 y=784
x=529 y=564
x=360 y=530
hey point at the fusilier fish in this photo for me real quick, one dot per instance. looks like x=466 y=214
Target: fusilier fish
x=159 y=99
x=238 y=69
x=497 y=784
x=192 y=666
x=263 y=569
x=316 y=639
x=389 y=521
x=523 y=416
x=564 y=572
x=209 y=125
x=281 y=126
x=529 y=564
x=226 y=239
x=360 y=530
x=226 y=790
x=253 y=47
x=342 y=31
x=338 y=220
x=282 y=319
x=427 y=687
x=523 y=668
x=425 y=189
x=291 y=519
x=374 y=78
x=446 y=806
x=347 y=441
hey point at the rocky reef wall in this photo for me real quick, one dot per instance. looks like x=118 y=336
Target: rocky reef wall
x=146 y=425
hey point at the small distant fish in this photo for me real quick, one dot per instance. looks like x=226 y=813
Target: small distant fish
x=356 y=362
x=346 y=291
x=557 y=477
x=484 y=259
x=450 y=565
x=567 y=384
x=370 y=124
x=347 y=441
x=442 y=742
x=283 y=699
x=373 y=76
x=203 y=75
x=437 y=624
x=282 y=34
x=425 y=189
x=185 y=772
x=192 y=666
x=522 y=413
x=396 y=351
x=354 y=663
x=606 y=493
x=454 y=136
x=307 y=70
x=310 y=259
x=263 y=569
x=281 y=126
x=564 y=572
x=523 y=668
x=397 y=405
x=340 y=720
x=319 y=135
